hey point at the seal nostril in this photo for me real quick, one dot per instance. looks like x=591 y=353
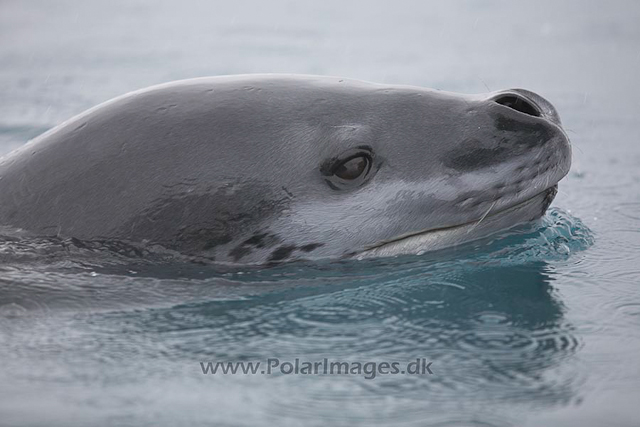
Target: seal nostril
x=518 y=103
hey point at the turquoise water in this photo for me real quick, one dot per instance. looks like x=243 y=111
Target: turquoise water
x=536 y=326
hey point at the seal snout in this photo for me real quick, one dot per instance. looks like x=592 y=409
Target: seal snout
x=509 y=156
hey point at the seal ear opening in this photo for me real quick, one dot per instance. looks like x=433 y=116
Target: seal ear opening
x=518 y=103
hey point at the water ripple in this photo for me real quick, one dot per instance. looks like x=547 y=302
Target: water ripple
x=486 y=315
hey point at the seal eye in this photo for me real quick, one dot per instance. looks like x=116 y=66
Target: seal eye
x=352 y=168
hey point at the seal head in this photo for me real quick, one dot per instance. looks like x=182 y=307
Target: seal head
x=266 y=168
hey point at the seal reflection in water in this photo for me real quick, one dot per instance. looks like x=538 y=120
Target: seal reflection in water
x=259 y=168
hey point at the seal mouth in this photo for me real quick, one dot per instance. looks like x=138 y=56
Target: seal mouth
x=492 y=222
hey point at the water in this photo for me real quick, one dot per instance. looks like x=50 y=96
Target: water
x=538 y=326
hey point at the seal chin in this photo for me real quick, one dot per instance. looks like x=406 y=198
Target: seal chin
x=440 y=238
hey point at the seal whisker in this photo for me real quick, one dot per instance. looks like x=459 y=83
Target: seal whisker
x=482 y=218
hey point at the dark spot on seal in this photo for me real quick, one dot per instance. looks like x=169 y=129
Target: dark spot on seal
x=513 y=138
x=262 y=240
x=311 y=247
x=470 y=155
x=531 y=134
x=255 y=240
x=258 y=240
x=281 y=253
x=239 y=252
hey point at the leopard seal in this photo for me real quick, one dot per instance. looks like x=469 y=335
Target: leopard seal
x=249 y=169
